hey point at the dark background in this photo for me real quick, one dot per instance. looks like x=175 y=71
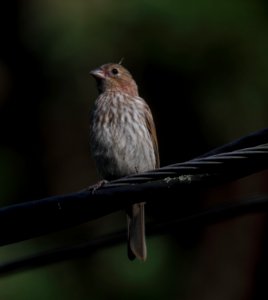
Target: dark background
x=203 y=68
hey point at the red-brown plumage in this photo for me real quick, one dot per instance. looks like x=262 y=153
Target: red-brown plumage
x=123 y=140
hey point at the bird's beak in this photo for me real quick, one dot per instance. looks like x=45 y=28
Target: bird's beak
x=98 y=73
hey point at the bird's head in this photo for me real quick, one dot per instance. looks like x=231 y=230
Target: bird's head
x=114 y=77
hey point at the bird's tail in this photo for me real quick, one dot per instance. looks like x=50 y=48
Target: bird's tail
x=136 y=232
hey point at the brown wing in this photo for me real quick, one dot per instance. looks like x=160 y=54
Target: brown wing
x=152 y=130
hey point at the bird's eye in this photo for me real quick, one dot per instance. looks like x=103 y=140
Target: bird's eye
x=115 y=71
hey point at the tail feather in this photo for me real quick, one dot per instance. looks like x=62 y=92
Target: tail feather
x=136 y=232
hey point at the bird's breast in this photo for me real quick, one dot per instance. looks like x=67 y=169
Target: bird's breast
x=121 y=142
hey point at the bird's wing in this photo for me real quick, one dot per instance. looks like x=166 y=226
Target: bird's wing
x=151 y=128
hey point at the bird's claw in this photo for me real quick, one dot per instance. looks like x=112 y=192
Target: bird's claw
x=96 y=186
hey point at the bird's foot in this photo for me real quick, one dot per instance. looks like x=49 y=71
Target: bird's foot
x=97 y=185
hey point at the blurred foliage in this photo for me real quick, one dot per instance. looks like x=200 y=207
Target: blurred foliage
x=203 y=68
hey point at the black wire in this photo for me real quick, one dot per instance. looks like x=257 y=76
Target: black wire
x=213 y=164
x=251 y=140
x=35 y=218
x=232 y=161
x=202 y=218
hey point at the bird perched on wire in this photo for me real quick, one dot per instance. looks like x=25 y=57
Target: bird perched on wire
x=123 y=140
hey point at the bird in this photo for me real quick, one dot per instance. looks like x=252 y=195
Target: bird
x=123 y=140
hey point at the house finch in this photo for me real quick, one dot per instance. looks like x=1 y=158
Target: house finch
x=123 y=140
